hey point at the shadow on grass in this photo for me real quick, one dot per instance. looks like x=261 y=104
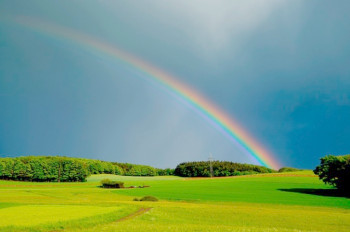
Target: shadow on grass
x=319 y=192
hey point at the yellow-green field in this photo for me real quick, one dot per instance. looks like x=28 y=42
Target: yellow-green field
x=271 y=202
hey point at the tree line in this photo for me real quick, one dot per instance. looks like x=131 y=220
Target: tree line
x=220 y=168
x=67 y=169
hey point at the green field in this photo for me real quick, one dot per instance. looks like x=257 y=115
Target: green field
x=268 y=202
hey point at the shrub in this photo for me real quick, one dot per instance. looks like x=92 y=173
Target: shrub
x=147 y=198
x=335 y=170
x=107 y=183
x=288 y=169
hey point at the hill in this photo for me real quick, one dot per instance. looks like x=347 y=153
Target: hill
x=295 y=201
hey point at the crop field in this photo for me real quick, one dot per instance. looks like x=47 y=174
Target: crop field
x=295 y=201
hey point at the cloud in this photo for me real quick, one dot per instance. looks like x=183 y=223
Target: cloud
x=213 y=25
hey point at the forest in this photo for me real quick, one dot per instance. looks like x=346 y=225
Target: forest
x=220 y=168
x=67 y=169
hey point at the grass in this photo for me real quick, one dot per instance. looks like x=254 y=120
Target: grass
x=269 y=202
x=268 y=188
x=232 y=217
x=29 y=215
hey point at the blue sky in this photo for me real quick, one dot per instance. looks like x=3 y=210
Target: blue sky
x=281 y=68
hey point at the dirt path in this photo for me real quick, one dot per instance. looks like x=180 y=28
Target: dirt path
x=135 y=214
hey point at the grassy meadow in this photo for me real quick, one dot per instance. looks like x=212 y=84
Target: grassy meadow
x=295 y=201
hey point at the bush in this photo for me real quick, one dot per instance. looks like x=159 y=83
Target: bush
x=107 y=183
x=220 y=168
x=288 y=169
x=335 y=170
x=146 y=198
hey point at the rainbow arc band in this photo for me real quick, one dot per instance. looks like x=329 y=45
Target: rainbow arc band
x=217 y=117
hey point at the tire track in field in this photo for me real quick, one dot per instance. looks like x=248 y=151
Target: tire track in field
x=135 y=214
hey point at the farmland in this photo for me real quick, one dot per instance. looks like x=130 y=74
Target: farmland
x=295 y=201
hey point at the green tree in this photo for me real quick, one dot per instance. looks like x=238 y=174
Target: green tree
x=335 y=170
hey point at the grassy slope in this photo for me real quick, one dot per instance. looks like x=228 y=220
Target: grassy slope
x=267 y=188
x=253 y=203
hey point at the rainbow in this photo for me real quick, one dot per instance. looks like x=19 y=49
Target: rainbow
x=221 y=120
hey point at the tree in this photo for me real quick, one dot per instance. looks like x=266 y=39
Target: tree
x=335 y=170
